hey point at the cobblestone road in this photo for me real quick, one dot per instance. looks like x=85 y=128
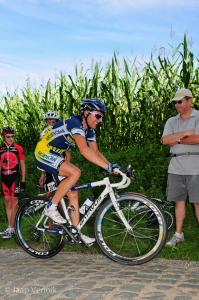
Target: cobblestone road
x=89 y=277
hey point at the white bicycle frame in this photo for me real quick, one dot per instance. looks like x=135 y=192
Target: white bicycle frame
x=108 y=190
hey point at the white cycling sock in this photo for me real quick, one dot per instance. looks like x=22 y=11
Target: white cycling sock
x=53 y=206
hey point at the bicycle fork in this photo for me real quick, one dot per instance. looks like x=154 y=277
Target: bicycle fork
x=118 y=210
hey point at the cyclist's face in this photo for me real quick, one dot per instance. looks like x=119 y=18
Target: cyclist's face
x=51 y=122
x=94 y=118
x=9 y=139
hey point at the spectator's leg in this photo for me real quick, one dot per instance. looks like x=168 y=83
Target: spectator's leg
x=14 y=207
x=180 y=211
x=8 y=206
x=196 y=206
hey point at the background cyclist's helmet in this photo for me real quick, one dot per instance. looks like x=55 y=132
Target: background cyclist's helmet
x=7 y=130
x=51 y=115
x=93 y=104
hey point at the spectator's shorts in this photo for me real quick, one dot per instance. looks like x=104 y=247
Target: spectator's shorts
x=181 y=187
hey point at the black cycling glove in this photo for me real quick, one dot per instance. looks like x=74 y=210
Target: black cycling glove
x=23 y=185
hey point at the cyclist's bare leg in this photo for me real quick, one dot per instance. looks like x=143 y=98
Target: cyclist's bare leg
x=8 y=203
x=72 y=174
x=14 y=208
x=73 y=201
x=11 y=205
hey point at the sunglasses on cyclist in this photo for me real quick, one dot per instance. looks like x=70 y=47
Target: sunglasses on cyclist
x=9 y=136
x=179 y=102
x=98 y=116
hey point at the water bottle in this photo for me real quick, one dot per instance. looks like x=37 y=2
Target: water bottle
x=86 y=205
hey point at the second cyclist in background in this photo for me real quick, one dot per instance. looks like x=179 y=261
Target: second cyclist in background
x=51 y=117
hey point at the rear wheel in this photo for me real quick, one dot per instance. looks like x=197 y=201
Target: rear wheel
x=37 y=234
x=169 y=219
x=167 y=209
x=140 y=244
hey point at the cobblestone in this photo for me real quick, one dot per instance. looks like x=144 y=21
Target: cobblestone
x=88 y=277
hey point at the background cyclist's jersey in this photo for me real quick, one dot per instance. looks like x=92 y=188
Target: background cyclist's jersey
x=9 y=159
x=44 y=131
x=60 y=138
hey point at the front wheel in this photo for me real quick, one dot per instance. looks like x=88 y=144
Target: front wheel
x=36 y=233
x=140 y=244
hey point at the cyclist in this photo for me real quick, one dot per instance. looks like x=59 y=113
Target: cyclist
x=51 y=117
x=76 y=131
x=12 y=161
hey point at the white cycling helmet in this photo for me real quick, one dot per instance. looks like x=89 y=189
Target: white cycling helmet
x=51 y=115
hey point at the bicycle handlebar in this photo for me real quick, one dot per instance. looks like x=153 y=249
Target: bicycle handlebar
x=124 y=182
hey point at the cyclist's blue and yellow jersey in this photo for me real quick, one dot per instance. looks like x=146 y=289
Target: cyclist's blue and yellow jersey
x=59 y=139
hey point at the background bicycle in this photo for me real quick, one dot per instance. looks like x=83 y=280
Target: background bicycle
x=123 y=231
x=168 y=210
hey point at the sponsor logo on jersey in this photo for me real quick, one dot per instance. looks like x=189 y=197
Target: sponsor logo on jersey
x=48 y=157
x=70 y=140
x=9 y=160
x=58 y=131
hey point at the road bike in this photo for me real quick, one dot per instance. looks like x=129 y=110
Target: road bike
x=123 y=231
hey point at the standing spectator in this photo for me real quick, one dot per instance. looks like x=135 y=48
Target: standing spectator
x=181 y=133
x=12 y=163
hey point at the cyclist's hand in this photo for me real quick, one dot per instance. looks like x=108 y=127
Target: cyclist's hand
x=112 y=166
x=23 y=186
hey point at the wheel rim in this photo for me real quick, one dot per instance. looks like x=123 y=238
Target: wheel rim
x=33 y=240
x=143 y=241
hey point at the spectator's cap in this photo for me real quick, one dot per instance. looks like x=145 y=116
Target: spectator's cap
x=181 y=93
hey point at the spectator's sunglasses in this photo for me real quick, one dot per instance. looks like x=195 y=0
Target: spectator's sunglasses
x=179 y=102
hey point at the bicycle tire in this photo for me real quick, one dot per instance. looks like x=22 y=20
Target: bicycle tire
x=170 y=220
x=166 y=208
x=136 y=247
x=36 y=243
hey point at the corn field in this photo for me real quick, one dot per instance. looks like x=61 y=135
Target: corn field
x=137 y=99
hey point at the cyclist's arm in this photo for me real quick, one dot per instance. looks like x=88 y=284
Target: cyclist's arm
x=88 y=152
x=94 y=146
x=23 y=170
